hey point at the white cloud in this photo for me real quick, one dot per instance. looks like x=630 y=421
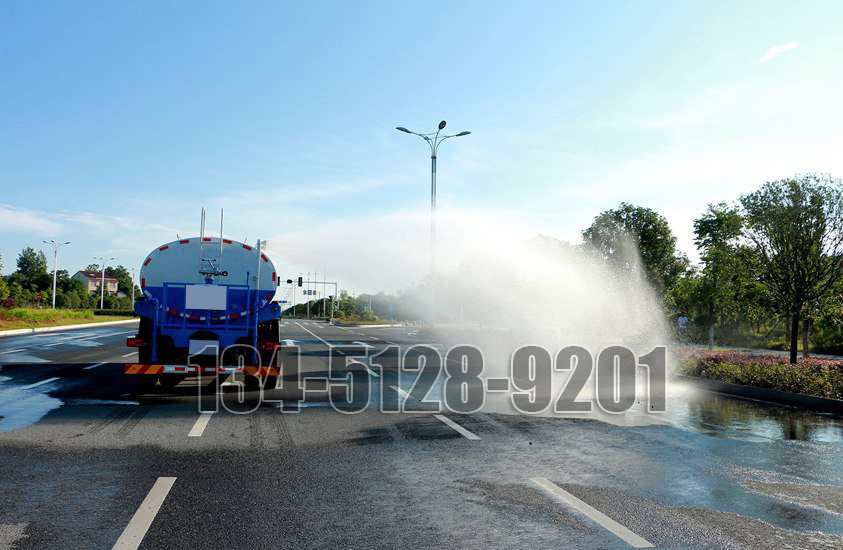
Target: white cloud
x=20 y=220
x=776 y=51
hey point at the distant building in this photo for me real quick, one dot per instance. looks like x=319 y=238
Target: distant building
x=92 y=280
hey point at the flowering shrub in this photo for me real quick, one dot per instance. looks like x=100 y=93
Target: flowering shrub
x=820 y=377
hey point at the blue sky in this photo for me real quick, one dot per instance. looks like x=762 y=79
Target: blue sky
x=118 y=122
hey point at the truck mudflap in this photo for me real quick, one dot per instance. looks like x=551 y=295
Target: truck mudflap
x=141 y=368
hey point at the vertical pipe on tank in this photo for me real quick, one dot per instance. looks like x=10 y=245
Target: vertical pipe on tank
x=221 y=218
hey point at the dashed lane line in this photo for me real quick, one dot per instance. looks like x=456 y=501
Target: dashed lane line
x=94 y=366
x=133 y=534
x=42 y=382
x=128 y=354
x=599 y=517
x=199 y=427
x=12 y=351
x=365 y=366
x=459 y=429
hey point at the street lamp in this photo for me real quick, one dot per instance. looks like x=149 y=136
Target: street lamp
x=133 y=286
x=103 y=261
x=433 y=140
x=55 y=264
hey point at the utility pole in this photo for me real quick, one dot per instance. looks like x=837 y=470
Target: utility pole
x=433 y=139
x=55 y=264
x=103 y=262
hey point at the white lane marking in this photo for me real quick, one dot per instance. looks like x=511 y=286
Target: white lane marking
x=362 y=344
x=401 y=392
x=12 y=351
x=314 y=334
x=365 y=366
x=54 y=344
x=199 y=427
x=35 y=385
x=94 y=366
x=133 y=534
x=596 y=515
x=228 y=381
x=288 y=342
x=128 y=354
x=459 y=429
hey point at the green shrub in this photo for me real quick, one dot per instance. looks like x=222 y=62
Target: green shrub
x=820 y=377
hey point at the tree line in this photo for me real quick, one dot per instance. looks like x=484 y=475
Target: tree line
x=770 y=271
x=32 y=278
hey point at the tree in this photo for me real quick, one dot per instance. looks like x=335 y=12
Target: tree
x=651 y=237
x=715 y=234
x=124 y=278
x=796 y=225
x=32 y=267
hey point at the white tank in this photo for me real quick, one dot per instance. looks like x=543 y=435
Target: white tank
x=197 y=260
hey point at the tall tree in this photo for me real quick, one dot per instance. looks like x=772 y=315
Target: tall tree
x=613 y=230
x=715 y=234
x=797 y=227
x=32 y=266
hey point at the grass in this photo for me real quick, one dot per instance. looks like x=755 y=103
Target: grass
x=819 y=377
x=34 y=318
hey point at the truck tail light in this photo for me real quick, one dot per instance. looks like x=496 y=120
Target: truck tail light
x=268 y=346
x=134 y=342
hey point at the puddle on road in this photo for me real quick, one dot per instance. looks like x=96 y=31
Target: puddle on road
x=21 y=407
x=725 y=416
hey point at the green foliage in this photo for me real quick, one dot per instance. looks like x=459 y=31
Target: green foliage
x=810 y=377
x=629 y=232
x=796 y=227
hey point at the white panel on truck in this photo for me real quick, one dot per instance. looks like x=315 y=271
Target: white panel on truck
x=206 y=297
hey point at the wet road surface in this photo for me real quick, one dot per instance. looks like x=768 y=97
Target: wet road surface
x=91 y=459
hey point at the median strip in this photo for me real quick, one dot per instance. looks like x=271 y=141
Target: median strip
x=596 y=515
x=133 y=534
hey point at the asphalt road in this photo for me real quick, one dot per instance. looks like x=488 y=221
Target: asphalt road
x=91 y=459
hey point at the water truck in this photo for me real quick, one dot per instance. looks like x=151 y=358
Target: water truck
x=201 y=296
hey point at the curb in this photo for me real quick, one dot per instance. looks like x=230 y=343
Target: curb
x=19 y=331
x=810 y=402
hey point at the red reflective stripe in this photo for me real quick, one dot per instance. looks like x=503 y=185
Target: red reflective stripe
x=273 y=275
x=226 y=241
x=143 y=282
x=247 y=247
x=232 y=316
x=270 y=295
x=173 y=311
x=184 y=241
x=264 y=257
x=165 y=247
x=206 y=239
x=147 y=261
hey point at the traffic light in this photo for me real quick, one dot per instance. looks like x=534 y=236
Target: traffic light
x=300 y=281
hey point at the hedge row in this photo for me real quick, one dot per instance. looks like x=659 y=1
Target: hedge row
x=820 y=377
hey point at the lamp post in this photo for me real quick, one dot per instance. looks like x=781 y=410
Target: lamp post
x=55 y=264
x=433 y=140
x=133 y=283
x=103 y=261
